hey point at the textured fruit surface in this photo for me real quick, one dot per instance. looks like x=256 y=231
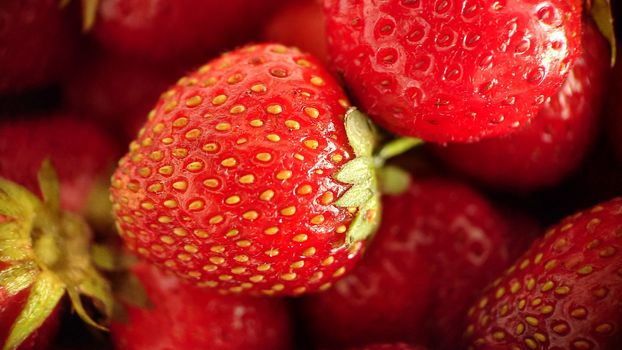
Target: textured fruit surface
x=188 y=317
x=231 y=184
x=36 y=41
x=80 y=152
x=453 y=70
x=177 y=30
x=299 y=23
x=563 y=293
x=555 y=142
x=118 y=92
x=438 y=245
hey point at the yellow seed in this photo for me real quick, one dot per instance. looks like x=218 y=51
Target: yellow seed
x=241 y=140
x=274 y=109
x=144 y=172
x=547 y=286
x=317 y=81
x=192 y=134
x=288 y=211
x=194 y=166
x=156 y=155
x=217 y=249
x=278 y=287
x=311 y=144
x=539 y=337
x=225 y=277
x=266 y=195
x=169 y=106
x=299 y=156
x=229 y=162
x=166 y=170
x=532 y=320
x=500 y=293
x=309 y=252
x=520 y=328
x=184 y=257
x=341 y=229
x=243 y=243
x=216 y=260
x=158 y=128
x=263 y=267
x=238 y=270
x=284 y=174
x=256 y=123
x=339 y=272
x=241 y=258
x=271 y=231
x=200 y=233
x=237 y=109
x=498 y=335
x=165 y=219
x=194 y=101
x=247 y=179
x=196 y=205
x=232 y=200
x=191 y=249
x=292 y=124
x=304 y=189
x=256 y=278
x=223 y=126
x=263 y=157
x=178 y=231
x=210 y=147
x=235 y=78
x=288 y=276
x=325 y=286
x=167 y=239
x=327 y=198
x=301 y=237
x=272 y=252
x=297 y=264
x=180 y=152
x=531 y=283
x=318 y=219
x=250 y=215
x=546 y=309
x=170 y=203
x=258 y=88
x=180 y=122
x=585 y=270
x=337 y=158
x=312 y=112
x=303 y=63
x=273 y=137
x=604 y=328
x=211 y=183
x=167 y=140
x=531 y=344
x=220 y=99
x=216 y=219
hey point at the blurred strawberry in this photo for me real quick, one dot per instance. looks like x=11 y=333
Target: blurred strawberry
x=81 y=153
x=188 y=317
x=36 y=42
x=396 y=346
x=182 y=30
x=118 y=92
x=438 y=245
x=556 y=141
x=299 y=23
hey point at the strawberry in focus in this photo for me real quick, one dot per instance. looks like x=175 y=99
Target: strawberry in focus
x=453 y=72
x=544 y=152
x=37 y=39
x=439 y=244
x=188 y=317
x=82 y=154
x=245 y=178
x=563 y=293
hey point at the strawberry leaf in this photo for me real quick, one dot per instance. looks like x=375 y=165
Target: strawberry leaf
x=361 y=133
x=44 y=296
x=355 y=171
x=356 y=196
x=48 y=182
x=601 y=13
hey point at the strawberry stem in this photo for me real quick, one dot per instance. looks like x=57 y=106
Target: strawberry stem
x=396 y=147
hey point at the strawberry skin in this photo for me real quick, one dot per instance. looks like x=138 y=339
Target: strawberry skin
x=187 y=317
x=81 y=153
x=563 y=293
x=37 y=38
x=553 y=145
x=449 y=71
x=230 y=183
x=438 y=245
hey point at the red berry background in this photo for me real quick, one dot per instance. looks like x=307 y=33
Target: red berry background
x=227 y=187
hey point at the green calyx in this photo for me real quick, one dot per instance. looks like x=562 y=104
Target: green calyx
x=48 y=251
x=600 y=11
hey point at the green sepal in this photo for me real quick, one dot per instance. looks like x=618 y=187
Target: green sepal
x=393 y=180
x=15 y=278
x=131 y=291
x=50 y=188
x=603 y=17
x=360 y=172
x=45 y=294
x=17 y=208
x=13 y=249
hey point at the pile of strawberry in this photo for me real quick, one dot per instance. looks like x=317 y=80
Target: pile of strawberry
x=348 y=174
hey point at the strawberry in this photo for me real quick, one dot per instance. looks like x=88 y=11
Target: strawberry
x=563 y=293
x=187 y=317
x=453 y=72
x=118 y=92
x=44 y=254
x=179 y=30
x=397 y=346
x=246 y=179
x=37 y=39
x=299 y=23
x=438 y=245
x=553 y=145
x=81 y=152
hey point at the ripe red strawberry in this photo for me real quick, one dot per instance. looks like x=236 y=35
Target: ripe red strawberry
x=179 y=30
x=36 y=42
x=438 y=245
x=397 y=346
x=118 y=92
x=553 y=145
x=299 y=23
x=187 y=317
x=81 y=153
x=453 y=71
x=563 y=293
x=245 y=178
